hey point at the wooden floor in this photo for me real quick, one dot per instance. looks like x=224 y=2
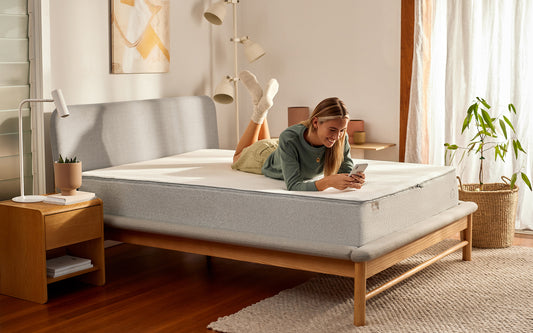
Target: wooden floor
x=153 y=290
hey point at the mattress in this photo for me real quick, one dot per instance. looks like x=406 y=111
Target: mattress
x=199 y=190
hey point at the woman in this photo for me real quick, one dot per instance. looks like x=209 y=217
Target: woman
x=304 y=151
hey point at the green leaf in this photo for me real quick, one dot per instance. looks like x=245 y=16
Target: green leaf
x=476 y=107
x=520 y=146
x=515 y=147
x=484 y=102
x=471 y=108
x=512 y=108
x=526 y=180
x=60 y=159
x=452 y=147
x=466 y=122
x=504 y=128
x=513 y=180
x=497 y=153
x=488 y=120
x=509 y=123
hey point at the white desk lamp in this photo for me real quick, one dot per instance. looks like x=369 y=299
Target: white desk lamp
x=62 y=110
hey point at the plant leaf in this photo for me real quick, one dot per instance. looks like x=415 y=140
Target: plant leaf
x=513 y=179
x=509 y=123
x=520 y=146
x=526 y=180
x=512 y=108
x=504 y=128
x=452 y=147
x=466 y=122
x=484 y=102
x=488 y=120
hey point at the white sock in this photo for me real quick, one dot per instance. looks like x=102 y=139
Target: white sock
x=250 y=82
x=266 y=102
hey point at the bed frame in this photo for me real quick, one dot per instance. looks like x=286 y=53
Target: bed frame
x=359 y=271
x=101 y=133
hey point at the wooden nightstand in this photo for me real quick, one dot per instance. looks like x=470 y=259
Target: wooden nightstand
x=32 y=232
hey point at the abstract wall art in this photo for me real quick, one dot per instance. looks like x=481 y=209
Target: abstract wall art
x=140 y=36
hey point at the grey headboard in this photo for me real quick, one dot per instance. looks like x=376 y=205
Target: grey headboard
x=109 y=134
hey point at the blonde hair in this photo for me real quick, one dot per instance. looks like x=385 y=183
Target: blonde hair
x=329 y=109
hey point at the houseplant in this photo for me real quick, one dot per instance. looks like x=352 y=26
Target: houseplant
x=495 y=217
x=67 y=175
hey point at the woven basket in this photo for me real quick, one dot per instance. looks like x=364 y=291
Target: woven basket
x=494 y=221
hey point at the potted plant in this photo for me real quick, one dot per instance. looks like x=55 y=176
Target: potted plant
x=495 y=218
x=67 y=174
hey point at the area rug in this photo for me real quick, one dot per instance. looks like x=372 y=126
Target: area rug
x=492 y=293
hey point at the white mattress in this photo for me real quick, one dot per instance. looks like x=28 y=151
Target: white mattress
x=200 y=189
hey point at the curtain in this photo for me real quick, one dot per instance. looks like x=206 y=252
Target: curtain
x=465 y=49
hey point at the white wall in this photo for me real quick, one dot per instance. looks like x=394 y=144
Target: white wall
x=316 y=49
x=80 y=40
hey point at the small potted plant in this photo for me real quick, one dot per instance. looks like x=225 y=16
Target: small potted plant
x=67 y=172
x=494 y=220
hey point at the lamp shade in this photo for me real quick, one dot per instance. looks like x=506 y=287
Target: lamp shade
x=224 y=91
x=252 y=50
x=59 y=101
x=216 y=12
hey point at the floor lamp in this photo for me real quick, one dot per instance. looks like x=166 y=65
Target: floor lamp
x=227 y=90
x=62 y=110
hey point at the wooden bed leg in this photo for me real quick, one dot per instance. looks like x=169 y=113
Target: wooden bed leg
x=466 y=235
x=359 y=302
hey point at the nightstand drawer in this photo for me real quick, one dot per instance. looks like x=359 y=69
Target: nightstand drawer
x=73 y=227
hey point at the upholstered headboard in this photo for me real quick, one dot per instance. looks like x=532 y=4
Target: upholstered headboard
x=109 y=134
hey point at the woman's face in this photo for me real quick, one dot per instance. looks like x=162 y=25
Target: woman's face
x=329 y=131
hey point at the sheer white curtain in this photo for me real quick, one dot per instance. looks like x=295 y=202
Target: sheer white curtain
x=466 y=49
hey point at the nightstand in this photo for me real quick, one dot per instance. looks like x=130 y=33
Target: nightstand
x=32 y=232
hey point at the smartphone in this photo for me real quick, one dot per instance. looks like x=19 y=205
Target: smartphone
x=361 y=167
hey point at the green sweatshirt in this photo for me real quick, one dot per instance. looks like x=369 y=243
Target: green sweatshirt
x=296 y=161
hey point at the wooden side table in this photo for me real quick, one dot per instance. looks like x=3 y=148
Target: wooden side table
x=32 y=232
x=358 y=151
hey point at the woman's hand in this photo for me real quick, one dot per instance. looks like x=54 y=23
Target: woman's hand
x=341 y=181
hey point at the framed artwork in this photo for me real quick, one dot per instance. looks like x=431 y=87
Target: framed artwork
x=140 y=36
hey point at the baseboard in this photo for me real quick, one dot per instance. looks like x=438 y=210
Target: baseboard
x=525 y=232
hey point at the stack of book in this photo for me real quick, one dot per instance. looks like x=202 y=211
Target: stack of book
x=59 y=199
x=65 y=265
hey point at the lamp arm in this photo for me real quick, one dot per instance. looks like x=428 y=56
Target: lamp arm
x=21 y=146
x=239 y=40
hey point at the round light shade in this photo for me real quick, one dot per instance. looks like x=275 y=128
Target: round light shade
x=59 y=101
x=216 y=12
x=252 y=50
x=224 y=92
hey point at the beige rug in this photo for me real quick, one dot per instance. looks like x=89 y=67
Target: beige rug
x=492 y=293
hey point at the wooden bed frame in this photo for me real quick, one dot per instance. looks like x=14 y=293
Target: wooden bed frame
x=359 y=271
